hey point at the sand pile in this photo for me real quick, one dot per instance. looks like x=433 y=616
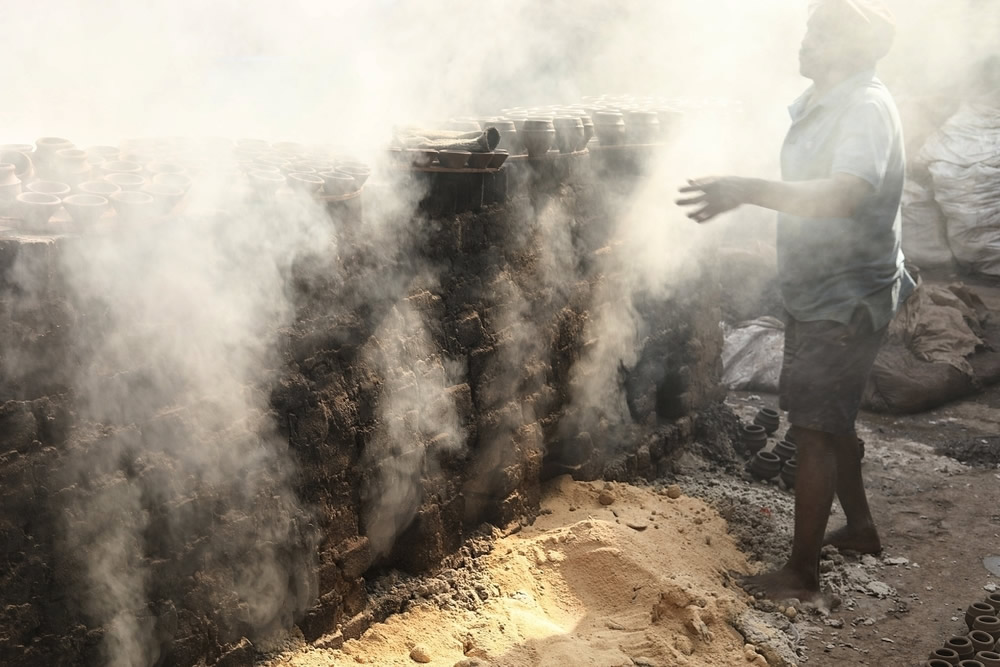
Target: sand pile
x=609 y=574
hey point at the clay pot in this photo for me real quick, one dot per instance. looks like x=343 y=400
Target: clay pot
x=359 y=172
x=48 y=188
x=981 y=641
x=971 y=662
x=537 y=135
x=588 y=130
x=767 y=418
x=975 y=610
x=421 y=157
x=788 y=473
x=85 y=209
x=44 y=157
x=960 y=645
x=569 y=133
x=669 y=119
x=182 y=181
x=337 y=183
x=642 y=127
x=754 y=438
x=126 y=180
x=10 y=184
x=993 y=600
x=167 y=197
x=71 y=166
x=121 y=167
x=785 y=450
x=497 y=159
x=609 y=126
x=479 y=160
x=453 y=159
x=989 y=624
x=265 y=183
x=101 y=188
x=939 y=663
x=23 y=168
x=133 y=205
x=988 y=658
x=164 y=168
x=508 y=134
x=35 y=208
x=99 y=154
x=765 y=465
x=304 y=182
x=947 y=655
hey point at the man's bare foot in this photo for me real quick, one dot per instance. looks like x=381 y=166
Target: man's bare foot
x=784 y=584
x=863 y=541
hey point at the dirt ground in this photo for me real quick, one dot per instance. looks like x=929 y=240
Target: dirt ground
x=583 y=585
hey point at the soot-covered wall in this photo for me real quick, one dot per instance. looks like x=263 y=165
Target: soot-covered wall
x=418 y=390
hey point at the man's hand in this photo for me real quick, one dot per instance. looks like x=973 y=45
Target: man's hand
x=717 y=194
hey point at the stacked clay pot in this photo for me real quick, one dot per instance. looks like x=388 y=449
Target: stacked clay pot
x=769 y=419
x=753 y=437
x=765 y=465
x=537 y=135
x=789 y=471
x=785 y=450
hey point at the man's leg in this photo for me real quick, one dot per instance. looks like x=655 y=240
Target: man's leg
x=859 y=534
x=815 y=484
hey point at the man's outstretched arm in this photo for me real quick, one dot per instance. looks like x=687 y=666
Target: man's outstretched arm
x=834 y=197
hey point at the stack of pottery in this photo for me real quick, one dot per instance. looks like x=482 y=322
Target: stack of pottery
x=71 y=166
x=453 y=159
x=789 y=470
x=44 y=157
x=768 y=418
x=508 y=134
x=765 y=465
x=754 y=438
x=669 y=120
x=537 y=135
x=10 y=186
x=588 y=129
x=609 y=126
x=962 y=646
x=785 y=450
x=642 y=127
x=35 y=209
x=479 y=160
x=85 y=209
x=570 y=136
x=19 y=155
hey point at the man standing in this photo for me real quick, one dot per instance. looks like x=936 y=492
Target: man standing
x=840 y=269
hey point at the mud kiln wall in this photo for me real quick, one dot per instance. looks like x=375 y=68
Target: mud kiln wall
x=422 y=389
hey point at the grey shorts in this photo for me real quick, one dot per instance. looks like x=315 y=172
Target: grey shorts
x=825 y=369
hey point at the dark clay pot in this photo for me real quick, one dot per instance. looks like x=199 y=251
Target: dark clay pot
x=937 y=662
x=766 y=465
x=960 y=645
x=768 y=418
x=989 y=624
x=946 y=655
x=981 y=641
x=975 y=610
x=788 y=473
x=989 y=658
x=754 y=438
x=993 y=600
x=971 y=662
x=785 y=450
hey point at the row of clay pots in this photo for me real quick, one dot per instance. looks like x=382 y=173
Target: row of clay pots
x=981 y=646
x=447 y=159
x=529 y=130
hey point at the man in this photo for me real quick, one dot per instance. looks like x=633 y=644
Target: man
x=839 y=266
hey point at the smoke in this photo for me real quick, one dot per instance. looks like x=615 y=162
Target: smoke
x=182 y=345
